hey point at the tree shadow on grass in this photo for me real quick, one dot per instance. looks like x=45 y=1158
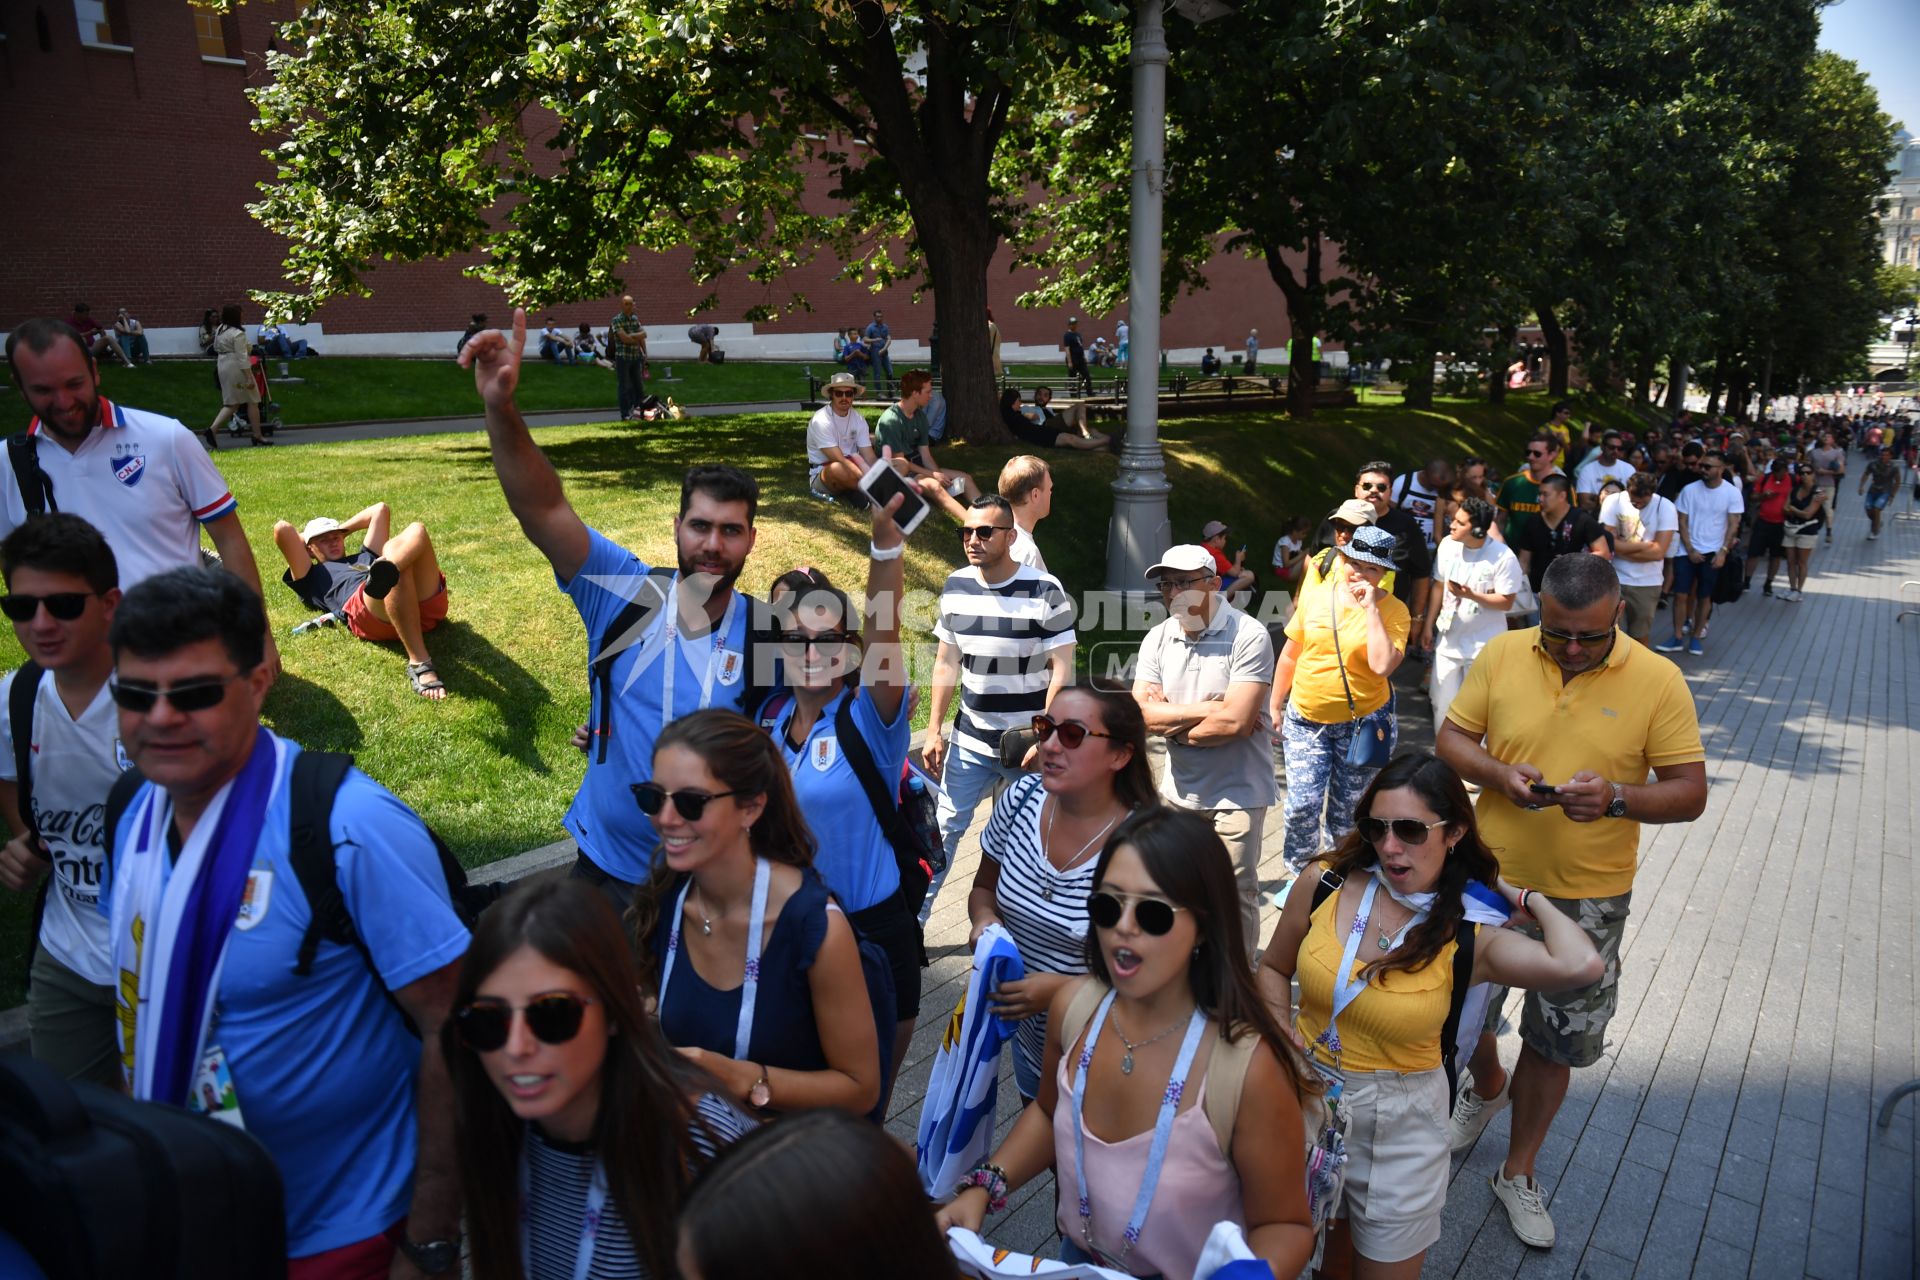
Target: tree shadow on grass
x=472 y=666
x=325 y=722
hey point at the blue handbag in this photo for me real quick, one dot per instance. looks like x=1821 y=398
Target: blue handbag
x=1372 y=744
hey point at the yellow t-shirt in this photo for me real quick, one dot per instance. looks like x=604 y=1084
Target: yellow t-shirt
x=1318 y=694
x=1395 y=1024
x=1632 y=715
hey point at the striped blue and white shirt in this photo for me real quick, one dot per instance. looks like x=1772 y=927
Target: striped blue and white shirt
x=1004 y=631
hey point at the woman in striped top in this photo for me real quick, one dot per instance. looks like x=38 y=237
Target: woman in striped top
x=1038 y=851
x=579 y=1130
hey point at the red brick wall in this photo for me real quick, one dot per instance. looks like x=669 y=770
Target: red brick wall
x=137 y=199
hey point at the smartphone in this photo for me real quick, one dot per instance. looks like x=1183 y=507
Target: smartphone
x=880 y=484
x=1543 y=789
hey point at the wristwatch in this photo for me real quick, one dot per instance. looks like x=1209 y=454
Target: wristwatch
x=761 y=1094
x=1618 y=808
x=435 y=1257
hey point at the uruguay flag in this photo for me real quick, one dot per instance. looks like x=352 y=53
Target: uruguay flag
x=956 y=1117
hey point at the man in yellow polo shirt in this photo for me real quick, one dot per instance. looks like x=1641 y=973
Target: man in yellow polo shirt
x=1574 y=715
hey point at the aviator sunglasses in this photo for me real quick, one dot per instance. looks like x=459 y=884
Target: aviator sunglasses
x=1408 y=831
x=1586 y=639
x=1072 y=732
x=553 y=1018
x=194 y=695
x=652 y=798
x=1153 y=915
x=65 y=606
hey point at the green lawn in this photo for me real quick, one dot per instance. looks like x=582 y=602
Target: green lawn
x=491 y=767
x=360 y=389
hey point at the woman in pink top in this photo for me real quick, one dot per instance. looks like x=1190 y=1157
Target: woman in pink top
x=1123 y=1111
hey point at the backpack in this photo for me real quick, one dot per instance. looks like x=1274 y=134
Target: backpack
x=1464 y=938
x=36 y=486
x=762 y=638
x=315 y=781
x=20 y=699
x=907 y=812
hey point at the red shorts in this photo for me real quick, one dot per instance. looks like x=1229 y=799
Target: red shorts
x=369 y=1259
x=364 y=623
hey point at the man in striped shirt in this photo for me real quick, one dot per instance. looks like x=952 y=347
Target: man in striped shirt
x=1006 y=641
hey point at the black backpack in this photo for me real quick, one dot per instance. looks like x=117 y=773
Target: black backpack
x=36 y=486
x=20 y=697
x=1463 y=939
x=315 y=781
x=636 y=615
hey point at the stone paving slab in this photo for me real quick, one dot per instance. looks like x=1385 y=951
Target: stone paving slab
x=1767 y=999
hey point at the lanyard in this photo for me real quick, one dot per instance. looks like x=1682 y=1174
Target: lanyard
x=671 y=627
x=1345 y=987
x=1162 y=1127
x=589 y=1220
x=750 y=982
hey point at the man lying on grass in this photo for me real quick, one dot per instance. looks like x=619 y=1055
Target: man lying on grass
x=390 y=589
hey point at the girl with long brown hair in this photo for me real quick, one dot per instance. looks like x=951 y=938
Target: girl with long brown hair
x=579 y=1129
x=1170 y=1098
x=755 y=974
x=1375 y=963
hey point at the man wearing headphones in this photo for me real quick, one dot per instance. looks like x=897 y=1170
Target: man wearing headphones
x=1478 y=579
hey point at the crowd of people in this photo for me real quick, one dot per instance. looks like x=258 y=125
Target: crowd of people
x=592 y=1075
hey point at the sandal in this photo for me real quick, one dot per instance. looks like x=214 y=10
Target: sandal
x=382 y=577
x=426 y=681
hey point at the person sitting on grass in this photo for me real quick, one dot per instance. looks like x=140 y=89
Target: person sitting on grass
x=390 y=589
x=903 y=428
x=555 y=345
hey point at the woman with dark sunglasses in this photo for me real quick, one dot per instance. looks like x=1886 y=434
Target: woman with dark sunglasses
x=579 y=1129
x=1170 y=1099
x=1375 y=964
x=832 y=698
x=755 y=976
x=1039 y=848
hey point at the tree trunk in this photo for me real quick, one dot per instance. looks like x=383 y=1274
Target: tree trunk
x=957 y=259
x=1677 y=375
x=1502 y=357
x=1556 y=340
x=1643 y=379
x=1305 y=306
x=1419 y=392
x=1718 y=385
x=1738 y=383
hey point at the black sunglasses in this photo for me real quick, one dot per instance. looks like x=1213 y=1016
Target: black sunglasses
x=554 y=1018
x=194 y=695
x=63 y=605
x=1372 y=488
x=1153 y=915
x=1072 y=732
x=1586 y=640
x=982 y=531
x=652 y=798
x=1407 y=831
x=801 y=640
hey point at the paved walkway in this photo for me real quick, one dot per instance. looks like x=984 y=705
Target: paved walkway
x=1767 y=997
x=389 y=429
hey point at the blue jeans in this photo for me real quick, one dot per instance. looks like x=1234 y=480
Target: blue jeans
x=883 y=364
x=967 y=777
x=1322 y=788
x=135 y=345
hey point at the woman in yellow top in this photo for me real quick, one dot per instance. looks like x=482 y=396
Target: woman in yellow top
x=1375 y=963
x=1344 y=643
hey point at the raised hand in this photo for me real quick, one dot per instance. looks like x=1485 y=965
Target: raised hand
x=494 y=358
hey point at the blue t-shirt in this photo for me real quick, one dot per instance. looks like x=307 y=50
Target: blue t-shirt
x=877 y=333
x=854 y=857
x=324 y=1069
x=612 y=832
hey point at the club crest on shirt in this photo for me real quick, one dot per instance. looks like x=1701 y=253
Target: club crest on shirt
x=823 y=752
x=732 y=663
x=120 y=756
x=254 y=899
x=128 y=468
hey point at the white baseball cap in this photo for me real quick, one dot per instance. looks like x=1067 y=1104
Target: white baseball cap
x=1188 y=557
x=317 y=526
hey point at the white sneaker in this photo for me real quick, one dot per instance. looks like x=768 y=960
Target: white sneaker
x=1526 y=1213
x=1471 y=1112
x=1796 y=595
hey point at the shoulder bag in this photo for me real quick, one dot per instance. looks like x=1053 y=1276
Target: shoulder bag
x=1369 y=748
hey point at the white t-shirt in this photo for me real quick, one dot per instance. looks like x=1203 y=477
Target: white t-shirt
x=846 y=432
x=75 y=764
x=1282 y=549
x=1593 y=471
x=1464 y=626
x=1618 y=513
x=1411 y=494
x=1706 y=511
x=144 y=482
x=1026 y=551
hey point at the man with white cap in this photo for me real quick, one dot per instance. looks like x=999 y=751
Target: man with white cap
x=390 y=589
x=1202 y=682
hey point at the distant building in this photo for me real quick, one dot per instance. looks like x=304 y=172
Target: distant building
x=1900 y=205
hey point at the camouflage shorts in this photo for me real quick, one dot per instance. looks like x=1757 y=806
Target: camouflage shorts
x=1570 y=1027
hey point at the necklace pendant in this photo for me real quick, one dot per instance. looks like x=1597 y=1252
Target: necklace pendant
x=1126 y=1063
x=1387 y=941
x=1046 y=893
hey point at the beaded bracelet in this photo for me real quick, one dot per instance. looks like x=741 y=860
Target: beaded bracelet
x=993 y=1179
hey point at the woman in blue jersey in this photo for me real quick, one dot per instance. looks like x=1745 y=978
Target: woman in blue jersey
x=846 y=709
x=579 y=1131
x=1039 y=848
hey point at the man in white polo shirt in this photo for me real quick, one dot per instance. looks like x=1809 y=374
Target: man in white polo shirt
x=139 y=478
x=1202 y=683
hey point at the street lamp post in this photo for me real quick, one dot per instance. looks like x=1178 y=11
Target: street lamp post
x=1140 y=528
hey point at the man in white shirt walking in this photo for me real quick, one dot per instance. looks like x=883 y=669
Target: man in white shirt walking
x=1644 y=526
x=1476 y=580
x=1709 y=512
x=1027 y=484
x=1597 y=470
